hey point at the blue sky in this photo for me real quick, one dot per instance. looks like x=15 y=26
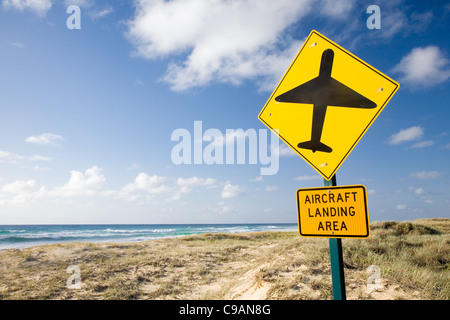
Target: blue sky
x=87 y=115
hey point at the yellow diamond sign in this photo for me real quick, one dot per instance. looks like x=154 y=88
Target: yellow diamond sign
x=325 y=102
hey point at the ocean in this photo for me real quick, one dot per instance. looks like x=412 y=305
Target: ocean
x=23 y=236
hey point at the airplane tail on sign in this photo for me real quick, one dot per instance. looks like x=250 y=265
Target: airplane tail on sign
x=314 y=146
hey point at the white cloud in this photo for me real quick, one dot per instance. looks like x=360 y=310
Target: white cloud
x=285 y=151
x=423 y=67
x=232 y=191
x=401 y=207
x=427 y=175
x=392 y=22
x=408 y=134
x=308 y=178
x=19 y=186
x=153 y=184
x=18 y=44
x=417 y=191
x=102 y=13
x=271 y=188
x=195 y=181
x=15 y=159
x=21 y=192
x=80 y=3
x=40 y=7
x=10 y=157
x=336 y=9
x=108 y=193
x=49 y=139
x=93 y=10
x=422 y=144
x=91 y=183
x=79 y=184
x=39 y=168
x=257 y=179
x=218 y=208
x=39 y=158
x=421 y=20
x=222 y=208
x=185 y=185
x=230 y=41
x=225 y=41
x=422 y=194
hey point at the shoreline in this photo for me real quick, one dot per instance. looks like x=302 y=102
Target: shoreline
x=267 y=265
x=24 y=236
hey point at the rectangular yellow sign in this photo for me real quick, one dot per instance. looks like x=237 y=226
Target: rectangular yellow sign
x=333 y=212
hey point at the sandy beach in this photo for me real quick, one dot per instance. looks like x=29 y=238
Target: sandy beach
x=400 y=260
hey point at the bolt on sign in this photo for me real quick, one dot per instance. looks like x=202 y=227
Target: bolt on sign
x=333 y=212
x=325 y=102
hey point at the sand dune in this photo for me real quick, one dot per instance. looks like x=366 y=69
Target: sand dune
x=412 y=260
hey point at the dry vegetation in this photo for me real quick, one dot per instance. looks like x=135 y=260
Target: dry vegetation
x=413 y=260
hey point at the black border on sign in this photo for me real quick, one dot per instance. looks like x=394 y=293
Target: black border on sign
x=335 y=45
x=334 y=236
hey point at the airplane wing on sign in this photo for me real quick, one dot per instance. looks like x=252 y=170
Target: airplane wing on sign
x=324 y=91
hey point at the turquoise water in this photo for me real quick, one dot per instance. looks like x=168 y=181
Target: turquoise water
x=22 y=236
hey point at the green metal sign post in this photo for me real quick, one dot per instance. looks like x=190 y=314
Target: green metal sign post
x=337 y=261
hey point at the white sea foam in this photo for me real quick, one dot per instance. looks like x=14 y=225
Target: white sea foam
x=26 y=236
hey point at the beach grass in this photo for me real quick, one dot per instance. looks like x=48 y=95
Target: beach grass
x=410 y=259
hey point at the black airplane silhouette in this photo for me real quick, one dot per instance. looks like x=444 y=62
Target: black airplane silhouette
x=324 y=91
